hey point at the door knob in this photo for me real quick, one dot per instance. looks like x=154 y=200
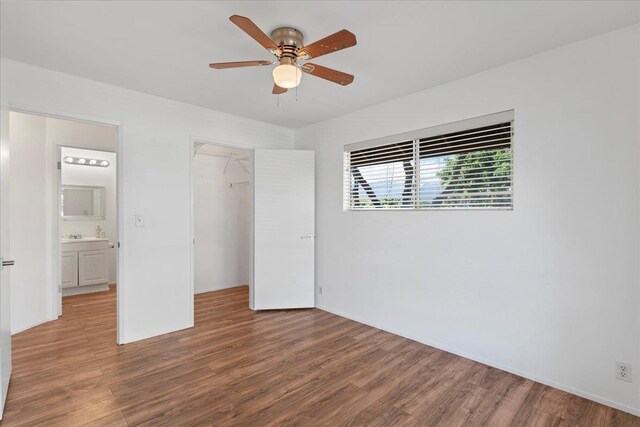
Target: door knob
x=306 y=237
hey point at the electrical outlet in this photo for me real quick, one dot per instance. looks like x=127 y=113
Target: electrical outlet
x=623 y=371
x=320 y=290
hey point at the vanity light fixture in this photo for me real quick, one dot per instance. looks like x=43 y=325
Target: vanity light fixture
x=86 y=162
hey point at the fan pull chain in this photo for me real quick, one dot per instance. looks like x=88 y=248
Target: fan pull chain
x=278 y=100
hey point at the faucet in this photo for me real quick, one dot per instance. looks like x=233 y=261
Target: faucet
x=75 y=236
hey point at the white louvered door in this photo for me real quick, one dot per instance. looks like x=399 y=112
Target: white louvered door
x=283 y=236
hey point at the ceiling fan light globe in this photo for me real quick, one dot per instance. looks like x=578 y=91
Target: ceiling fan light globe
x=287 y=76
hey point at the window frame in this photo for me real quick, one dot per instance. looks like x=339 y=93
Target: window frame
x=415 y=137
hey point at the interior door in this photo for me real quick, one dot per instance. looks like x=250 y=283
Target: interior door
x=283 y=184
x=5 y=261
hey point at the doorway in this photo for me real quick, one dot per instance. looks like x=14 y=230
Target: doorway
x=221 y=178
x=88 y=220
x=43 y=176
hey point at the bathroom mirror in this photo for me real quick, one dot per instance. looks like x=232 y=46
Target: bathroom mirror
x=82 y=202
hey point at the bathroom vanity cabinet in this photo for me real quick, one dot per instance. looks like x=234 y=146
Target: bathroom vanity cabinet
x=85 y=262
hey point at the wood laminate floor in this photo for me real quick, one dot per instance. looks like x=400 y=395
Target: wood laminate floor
x=239 y=367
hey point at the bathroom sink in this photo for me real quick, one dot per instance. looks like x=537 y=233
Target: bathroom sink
x=85 y=239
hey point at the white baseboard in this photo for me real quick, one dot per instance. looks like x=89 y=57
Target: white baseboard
x=154 y=333
x=32 y=325
x=545 y=381
x=202 y=291
x=79 y=290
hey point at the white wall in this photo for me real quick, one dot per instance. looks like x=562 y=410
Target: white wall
x=156 y=296
x=221 y=224
x=30 y=291
x=73 y=133
x=100 y=177
x=550 y=290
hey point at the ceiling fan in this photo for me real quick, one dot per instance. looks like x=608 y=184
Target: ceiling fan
x=286 y=44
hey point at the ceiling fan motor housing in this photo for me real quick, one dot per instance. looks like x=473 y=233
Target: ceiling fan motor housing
x=288 y=39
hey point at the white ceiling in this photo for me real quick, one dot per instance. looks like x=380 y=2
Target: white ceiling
x=164 y=48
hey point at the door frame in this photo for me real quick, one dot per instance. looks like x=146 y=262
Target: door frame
x=193 y=139
x=53 y=238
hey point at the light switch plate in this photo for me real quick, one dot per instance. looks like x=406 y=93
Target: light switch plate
x=139 y=220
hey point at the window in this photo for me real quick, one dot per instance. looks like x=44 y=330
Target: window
x=462 y=165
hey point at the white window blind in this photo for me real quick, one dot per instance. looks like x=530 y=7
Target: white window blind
x=462 y=165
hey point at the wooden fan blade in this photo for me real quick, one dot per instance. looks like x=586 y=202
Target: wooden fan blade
x=337 y=41
x=239 y=64
x=252 y=29
x=277 y=90
x=328 y=74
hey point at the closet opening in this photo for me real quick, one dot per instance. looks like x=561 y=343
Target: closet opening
x=222 y=222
